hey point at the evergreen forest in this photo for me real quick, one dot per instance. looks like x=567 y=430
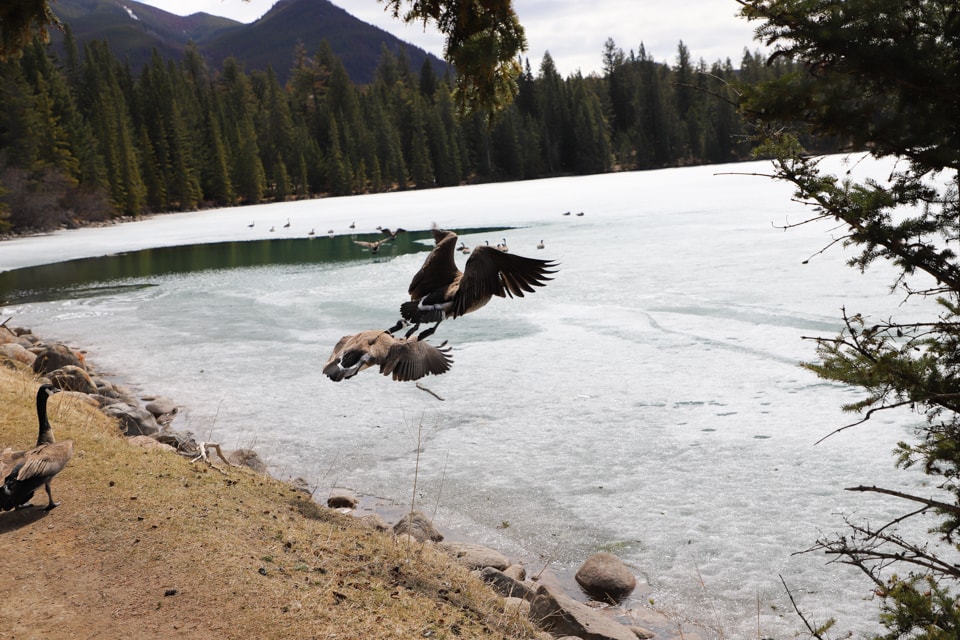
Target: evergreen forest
x=88 y=139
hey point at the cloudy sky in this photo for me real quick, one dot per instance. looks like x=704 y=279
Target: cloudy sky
x=573 y=31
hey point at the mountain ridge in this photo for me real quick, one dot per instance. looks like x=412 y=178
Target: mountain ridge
x=133 y=30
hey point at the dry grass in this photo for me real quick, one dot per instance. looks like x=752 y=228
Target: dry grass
x=147 y=545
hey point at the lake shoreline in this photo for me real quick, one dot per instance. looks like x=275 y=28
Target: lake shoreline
x=366 y=504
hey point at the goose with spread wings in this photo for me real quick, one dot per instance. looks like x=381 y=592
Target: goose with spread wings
x=439 y=290
x=403 y=358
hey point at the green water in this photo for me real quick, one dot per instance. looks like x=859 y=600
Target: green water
x=95 y=276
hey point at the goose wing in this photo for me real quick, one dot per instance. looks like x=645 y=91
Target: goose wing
x=491 y=272
x=412 y=359
x=439 y=269
x=45 y=461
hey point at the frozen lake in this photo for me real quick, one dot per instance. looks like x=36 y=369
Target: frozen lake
x=647 y=402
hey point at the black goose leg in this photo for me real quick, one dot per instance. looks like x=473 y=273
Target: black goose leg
x=51 y=504
x=429 y=332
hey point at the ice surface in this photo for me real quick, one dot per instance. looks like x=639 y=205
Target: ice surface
x=647 y=401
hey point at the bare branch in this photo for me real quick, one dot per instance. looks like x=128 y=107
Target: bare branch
x=934 y=504
x=813 y=632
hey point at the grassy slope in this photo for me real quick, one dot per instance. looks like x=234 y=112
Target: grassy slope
x=246 y=555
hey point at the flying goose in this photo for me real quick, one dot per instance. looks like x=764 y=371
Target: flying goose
x=404 y=358
x=374 y=247
x=24 y=471
x=439 y=290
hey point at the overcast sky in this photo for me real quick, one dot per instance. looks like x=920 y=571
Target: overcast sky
x=573 y=31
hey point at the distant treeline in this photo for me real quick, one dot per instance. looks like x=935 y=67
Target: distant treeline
x=86 y=138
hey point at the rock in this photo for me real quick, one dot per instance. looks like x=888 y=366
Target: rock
x=134 y=421
x=373 y=521
x=27 y=340
x=517 y=572
x=117 y=392
x=604 y=577
x=475 y=556
x=417 y=526
x=82 y=398
x=301 y=485
x=517 y=606
x=104 y=401
x=18 y=353
x=72 y=378
x=562 y=615
x=147 y=442
x=342 y=500
x=161 y=406
x=182 y=442
x=505 y=585
x=54 y=356
x=7 y=335
x=247 y=458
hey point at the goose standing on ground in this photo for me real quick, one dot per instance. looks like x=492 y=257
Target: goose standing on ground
x=503 y=246
x=540 y=245
x=251 y=224
x=404 y=358
x=24 y=471
x=439 y=290
x=287 y=226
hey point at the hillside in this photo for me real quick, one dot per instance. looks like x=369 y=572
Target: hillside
x=146 y=544
x=134 y=30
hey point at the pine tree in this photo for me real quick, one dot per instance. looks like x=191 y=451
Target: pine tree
x=881 y=76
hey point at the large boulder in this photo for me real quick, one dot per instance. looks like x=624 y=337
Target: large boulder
x=418 y=526
x=72 y=378
x=604 y=577
x=18 y=353
x=55 y=356
x=562 y=615
x=134 y=421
